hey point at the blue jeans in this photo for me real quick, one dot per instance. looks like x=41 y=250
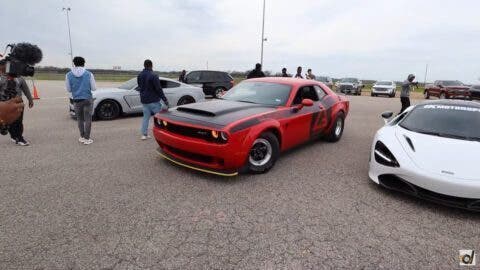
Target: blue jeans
x=149 y=110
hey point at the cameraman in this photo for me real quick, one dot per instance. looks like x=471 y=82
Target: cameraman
x=16 y=128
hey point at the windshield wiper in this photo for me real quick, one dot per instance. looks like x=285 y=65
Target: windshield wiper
x=451 y=136
x=247 y=101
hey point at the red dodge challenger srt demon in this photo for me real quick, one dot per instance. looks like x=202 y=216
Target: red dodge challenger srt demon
x=248 y=128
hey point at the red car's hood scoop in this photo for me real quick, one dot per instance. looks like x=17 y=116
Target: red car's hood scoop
x=217 y=112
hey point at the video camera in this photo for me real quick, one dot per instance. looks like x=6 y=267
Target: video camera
x=18 y=62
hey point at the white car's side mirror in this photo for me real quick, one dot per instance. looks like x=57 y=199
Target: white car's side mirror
x=386 y=116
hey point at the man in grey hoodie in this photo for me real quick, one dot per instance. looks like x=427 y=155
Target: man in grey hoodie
x=16 y=128
x=80 y=82
x=405 y=95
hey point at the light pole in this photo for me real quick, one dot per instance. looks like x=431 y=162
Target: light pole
x=263 y=33
x=67 y=9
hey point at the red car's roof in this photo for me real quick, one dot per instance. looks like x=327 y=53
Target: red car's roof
x=283 y=80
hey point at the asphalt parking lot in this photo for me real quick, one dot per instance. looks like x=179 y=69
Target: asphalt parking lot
x=115 y=204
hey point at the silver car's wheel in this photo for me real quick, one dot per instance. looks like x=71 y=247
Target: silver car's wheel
x=185 y=100
x=261 y=152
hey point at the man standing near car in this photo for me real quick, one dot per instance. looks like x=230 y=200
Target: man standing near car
x=256 y=73
x=16 y=128
x=181 y=78
x=80 y=82
x=299 y=73
x=150 y=95
x=284 y=72
x=405 y=95
x=309 y=75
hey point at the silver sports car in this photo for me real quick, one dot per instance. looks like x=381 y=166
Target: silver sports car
x=109 y=103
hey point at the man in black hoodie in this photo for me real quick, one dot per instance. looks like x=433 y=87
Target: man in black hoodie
x=256 y=73
x=150 y=94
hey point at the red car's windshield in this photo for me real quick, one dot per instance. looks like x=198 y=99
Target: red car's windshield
x=265 y=93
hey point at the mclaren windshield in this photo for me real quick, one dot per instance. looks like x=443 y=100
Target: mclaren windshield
x=265 y=93
x=449 y=121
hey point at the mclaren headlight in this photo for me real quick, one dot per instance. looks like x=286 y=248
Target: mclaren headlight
x=384 y=156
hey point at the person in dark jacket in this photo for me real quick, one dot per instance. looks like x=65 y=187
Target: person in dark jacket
x=150 y=95
x=299 y=73
x=256 y=73
x=182 y=76
x=284 y=72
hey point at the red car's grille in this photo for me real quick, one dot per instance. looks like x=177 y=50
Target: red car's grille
x=191 y=156
x=188 y=131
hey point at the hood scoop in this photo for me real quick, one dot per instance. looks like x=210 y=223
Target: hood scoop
x=410 y=143
x=195 y=111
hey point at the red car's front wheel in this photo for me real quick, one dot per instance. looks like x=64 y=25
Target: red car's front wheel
x=263 y=154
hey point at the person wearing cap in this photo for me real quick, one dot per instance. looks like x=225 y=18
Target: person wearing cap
x=405 y=94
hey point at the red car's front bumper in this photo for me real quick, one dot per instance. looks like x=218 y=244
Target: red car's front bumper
x=221 y=159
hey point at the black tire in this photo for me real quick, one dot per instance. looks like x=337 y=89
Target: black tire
x=442 y=96
x=256 y=163
x=108 y=110
x=219 y=92
x=372 y=94
x=337 y=131
x=185 y=100
x=392 y=95
x=426 y=94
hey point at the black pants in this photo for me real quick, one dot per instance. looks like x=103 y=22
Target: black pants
x=405 y=103
x=16 y=128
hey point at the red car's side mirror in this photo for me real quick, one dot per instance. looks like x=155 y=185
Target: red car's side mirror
x=305 y=103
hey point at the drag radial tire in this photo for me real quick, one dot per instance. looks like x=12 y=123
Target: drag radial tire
x=263 y=154
x=337 y=129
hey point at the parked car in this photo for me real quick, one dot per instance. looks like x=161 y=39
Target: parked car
x=250 y=126
x=350 y=86
x=447 y=89
x=474 y=92
x=388 y=88
x=110 y=103
x=213 y=83
x=326 y=80
x=431 y=151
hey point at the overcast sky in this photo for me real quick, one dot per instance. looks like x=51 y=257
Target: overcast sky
x=369 y=39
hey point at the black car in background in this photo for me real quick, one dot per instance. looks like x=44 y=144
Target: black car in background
x=214 y=83
x=474 y=92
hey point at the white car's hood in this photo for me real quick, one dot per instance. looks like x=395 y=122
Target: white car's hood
x=101 y=91
x=383 y=86
x=442 y=156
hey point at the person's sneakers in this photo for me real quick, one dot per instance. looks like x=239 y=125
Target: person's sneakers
x=88 y=141
x=81 y=140
x=13 y=140
x=22 y=142
x=145 y=137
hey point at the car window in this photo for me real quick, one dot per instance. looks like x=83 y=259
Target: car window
x=320 y=92
x=208 y=76
x=193 y=76
x=128 y=85
x=305 y=92
x=168 y=84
